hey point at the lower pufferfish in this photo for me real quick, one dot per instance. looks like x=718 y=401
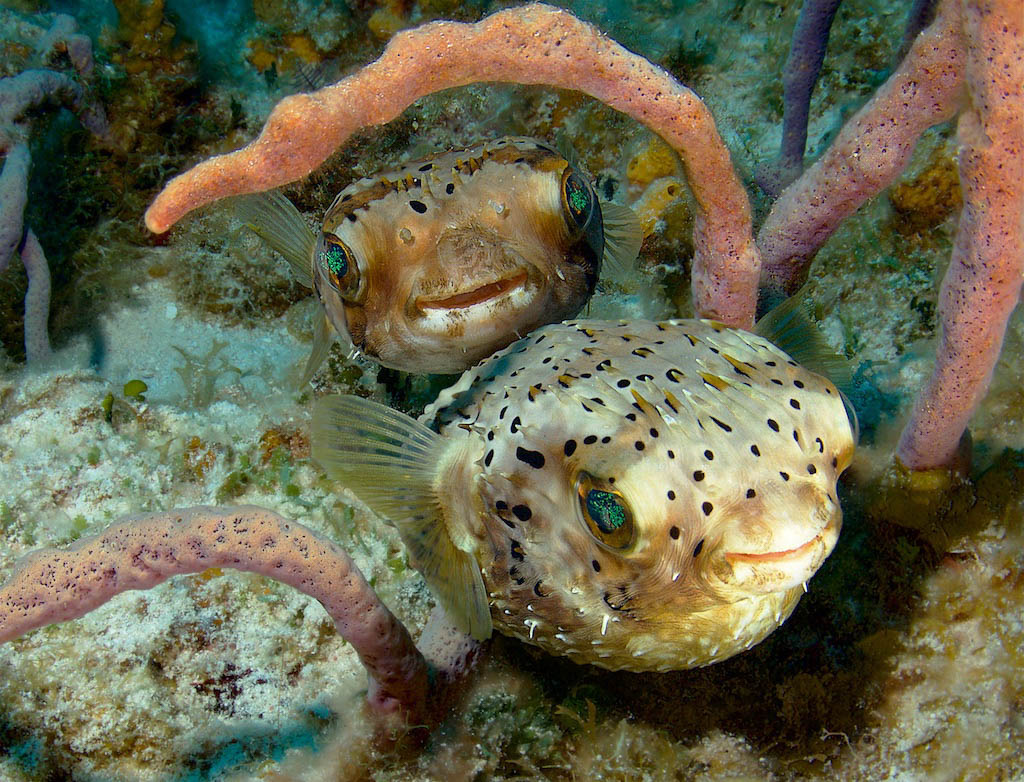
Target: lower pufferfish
x=435 y=265
x=641 y=495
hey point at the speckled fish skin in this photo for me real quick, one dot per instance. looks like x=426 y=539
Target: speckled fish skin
x=458 y=254
x=724 y=451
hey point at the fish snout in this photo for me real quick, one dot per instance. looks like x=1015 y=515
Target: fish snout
x=789 y=555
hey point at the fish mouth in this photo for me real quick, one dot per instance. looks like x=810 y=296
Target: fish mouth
x=789 y=555
x=481 y=294
x=776 y=556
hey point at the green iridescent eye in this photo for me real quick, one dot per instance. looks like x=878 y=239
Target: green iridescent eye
x=605 y=511
x=577 y=198
x=336 y=263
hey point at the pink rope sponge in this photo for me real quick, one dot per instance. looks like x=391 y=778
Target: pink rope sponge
x=55 y=585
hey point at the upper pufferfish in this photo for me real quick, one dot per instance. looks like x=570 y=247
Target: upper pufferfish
x=435 y=265
x=646 y=496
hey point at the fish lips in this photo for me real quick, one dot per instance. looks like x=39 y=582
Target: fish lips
x=778 y=571
x=468 y=299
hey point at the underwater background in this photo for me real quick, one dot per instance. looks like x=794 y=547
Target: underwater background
x=902 y=662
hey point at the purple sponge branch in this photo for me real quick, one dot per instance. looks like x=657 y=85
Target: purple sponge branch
x=37 y=299
x=806 y=54
x=13 y=197
x=13 y=237
x=54 y=585
x=19 y=94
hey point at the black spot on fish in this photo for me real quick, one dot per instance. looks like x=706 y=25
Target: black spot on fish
x=630 y=416
x=755 y=450
x=536 y=589
x=488 y=457
x=796 y=435
x=501 y=505
x=596 y=565
x=698 y=475
x=516 y=551
x=698 y=547
x=606 y=439
x=351 y=217
x=709 y=455
x=798 y=383
x=785 y=475
x=821 y=445
x=623 y=383
x=722 y=425
x=671 y=494
x=751 y=494
x=653 y=432
x=426 y=167
x=639 y=445
x=533 y=458
x=522 y=512
x=674 y=533
x=590 y=439
x=707 y=507
x=516 y=423
x=811 y=469
x=773 y=424
x=569 y=448
x=449 y=188
x=671 y=454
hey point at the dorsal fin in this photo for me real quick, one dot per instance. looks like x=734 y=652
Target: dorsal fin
x=791 y=327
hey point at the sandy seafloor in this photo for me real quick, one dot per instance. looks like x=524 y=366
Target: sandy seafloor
x=903 y=661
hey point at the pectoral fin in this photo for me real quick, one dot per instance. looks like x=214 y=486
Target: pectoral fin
x=623 y=236
x=392 y=463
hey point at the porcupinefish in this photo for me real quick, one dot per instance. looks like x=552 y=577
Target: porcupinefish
x=434 y=266
x=636 y=495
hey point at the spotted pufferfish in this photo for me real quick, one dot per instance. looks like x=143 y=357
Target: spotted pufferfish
x=635 y=495
x=434 y=266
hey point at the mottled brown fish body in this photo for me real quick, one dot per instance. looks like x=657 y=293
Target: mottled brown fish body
x=647 y=496
x=458 y=254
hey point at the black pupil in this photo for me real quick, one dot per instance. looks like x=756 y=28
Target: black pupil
x=606 y=511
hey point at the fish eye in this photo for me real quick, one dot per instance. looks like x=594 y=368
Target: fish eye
x=336 y=262
x=578 y=199
x=605 y=512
